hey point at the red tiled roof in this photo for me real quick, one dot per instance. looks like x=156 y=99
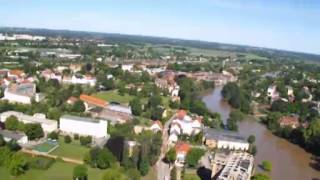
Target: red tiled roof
x=289 y=121
x=181 y=114
x=16 y=72
x=182 y=147
x=93 y=100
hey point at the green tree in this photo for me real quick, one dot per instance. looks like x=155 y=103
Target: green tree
x=2 y=141
x=12 y=123
x=33 y=131
x=133 y=173
x=143 y=166
x=105 y=159
x=80 y=172
x=251 y=139
x=53 y=135
x=136 y=106
x=171 y=155
x=85 y=140
x=67 y=139
x=267 y=166
x=194 y=156
x=114 y=174
x=78 y=106
x=17 y=164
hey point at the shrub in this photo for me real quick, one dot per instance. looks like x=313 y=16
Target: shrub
x=266 y=165
x=39 y=162
x=85 y=140
x=53 y=135
x=67 y=139
x=76 y=136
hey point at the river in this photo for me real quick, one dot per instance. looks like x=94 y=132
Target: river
x=289 y=161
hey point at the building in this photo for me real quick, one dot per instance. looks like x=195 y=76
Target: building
x=80 y=79
x=20 y=138
x=83 y=126
x=127 y=67
x=47 y=125
x=289 y=121
x=236 y=166
x=91 y=102
x=184 y=124
x=224 y=140
x=156 y=126
x=272 y=93
x=49 y=74
x=21 y=93
x=182 y=150
x=119 y=108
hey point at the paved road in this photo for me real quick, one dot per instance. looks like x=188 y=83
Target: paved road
x=163 y=168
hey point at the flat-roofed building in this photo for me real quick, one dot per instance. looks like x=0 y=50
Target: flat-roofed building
x=21 y=93
x=237 y=165
x=83 y=126
x=20 y=138
x=47 y=125
x=224 y=140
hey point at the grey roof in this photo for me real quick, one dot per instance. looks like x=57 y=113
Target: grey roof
x=223 y=135
x=77 y=118
x=11 y=134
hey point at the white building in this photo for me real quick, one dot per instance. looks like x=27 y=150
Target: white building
x=224 y=140
x=20 y=138
x=47 y=125
x=21 y=93
x=184 y=124
x=127 y=67
x=80 y=79
x=83 y=126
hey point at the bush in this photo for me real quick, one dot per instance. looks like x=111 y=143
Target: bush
x=67 y=139
x=80 y=172
x=53 y=135
x=76 y=136
x=266 y=165
x=85 y=140
x=39 y=162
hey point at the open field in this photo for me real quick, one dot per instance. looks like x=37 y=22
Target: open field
x=114 y=96
x=73 y=150
x=58 y=171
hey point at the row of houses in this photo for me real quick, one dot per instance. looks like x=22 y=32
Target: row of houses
x=74 y=79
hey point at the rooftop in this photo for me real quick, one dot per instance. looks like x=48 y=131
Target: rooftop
x=77 y=118
x=36 y=118
x=223 y=135
x=11 y=134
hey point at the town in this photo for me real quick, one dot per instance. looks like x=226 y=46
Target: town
x=88 y=108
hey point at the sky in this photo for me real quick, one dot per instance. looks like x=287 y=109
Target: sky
x=281 y=24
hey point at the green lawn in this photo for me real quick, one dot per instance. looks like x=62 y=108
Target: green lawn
x=73 y=150
x=58 y=171
x=114 y=96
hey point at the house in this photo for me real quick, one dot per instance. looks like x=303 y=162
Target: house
x=71 y=100
x=182 y=150
x=91 y=101
x=184 y=124
x=224 y=140
x=20 y=138
x=80 y=79
x=127 y=67
x=75 y=67
x=272 y=93
x=16 y=74
x=83 y=126
x=49 y=74
x=156 y=126
x=47 y=125
x=291 y=121
x=237 y=165
x=21 y=93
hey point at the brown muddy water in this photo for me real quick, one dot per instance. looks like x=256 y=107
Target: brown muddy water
x=290 y=162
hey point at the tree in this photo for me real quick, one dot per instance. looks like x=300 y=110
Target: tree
x=232 y=124
x=12 y=123
x=76 y=136
x=193 y=156
x=80 y=172
x=67 y=139
x=133 y=173
x=136 y=106
x=13 y=145
x=114 y=174
x=17 y=164
x=266 y=165
x=78 y=106
x=143 y=166
x=53 y=135
x=251 y=139
x=85 y=140
x=171 y=155
x=260 y=176
x=2 y=141
x=33 y=131
x=105 y=159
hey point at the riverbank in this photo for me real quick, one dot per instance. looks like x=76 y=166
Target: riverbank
x=289 y=160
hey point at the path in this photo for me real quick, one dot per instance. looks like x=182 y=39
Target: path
x=162 y=167
x=34 y=153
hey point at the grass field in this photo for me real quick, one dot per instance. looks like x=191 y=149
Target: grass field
x=58 y=171
x=73 y=150
x=114 y=96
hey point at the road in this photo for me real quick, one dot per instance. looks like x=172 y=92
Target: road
x=162 y=167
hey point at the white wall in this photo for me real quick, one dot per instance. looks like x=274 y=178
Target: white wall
x=84 y=128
